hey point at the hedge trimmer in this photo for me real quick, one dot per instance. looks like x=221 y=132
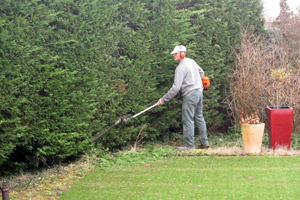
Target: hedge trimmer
x=122 y=119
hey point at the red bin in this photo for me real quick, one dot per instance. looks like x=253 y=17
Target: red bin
x=280 y=125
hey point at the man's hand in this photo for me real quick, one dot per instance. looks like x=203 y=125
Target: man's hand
x=160 y=102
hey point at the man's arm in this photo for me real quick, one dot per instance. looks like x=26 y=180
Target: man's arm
x=201 y=72
x=178 y=79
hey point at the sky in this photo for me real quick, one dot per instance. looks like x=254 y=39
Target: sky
x=272 y=8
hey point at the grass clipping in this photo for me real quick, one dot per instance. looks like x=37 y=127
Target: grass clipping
x=238 y=151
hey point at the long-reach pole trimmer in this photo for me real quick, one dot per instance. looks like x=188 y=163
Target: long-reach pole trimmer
x=122 y=119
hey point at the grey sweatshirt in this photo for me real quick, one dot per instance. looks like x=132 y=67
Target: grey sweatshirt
x=188 y=77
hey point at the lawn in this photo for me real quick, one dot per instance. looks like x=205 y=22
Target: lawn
x=194 y=177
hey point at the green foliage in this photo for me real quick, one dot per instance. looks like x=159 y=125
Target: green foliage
x=130 y=158
x=70 y=69
x=46 y=91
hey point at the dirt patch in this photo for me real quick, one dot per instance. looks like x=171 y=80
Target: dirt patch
x=48 y=184
x=238 y=151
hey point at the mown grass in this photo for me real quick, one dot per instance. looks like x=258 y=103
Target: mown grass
x=53 y=182
x=204 y=177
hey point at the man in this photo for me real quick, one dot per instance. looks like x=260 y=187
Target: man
x=188 y=79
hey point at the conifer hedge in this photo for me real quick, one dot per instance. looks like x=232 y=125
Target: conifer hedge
x=71 y=68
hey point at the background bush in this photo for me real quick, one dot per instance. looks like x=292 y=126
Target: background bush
x=270 y=67
x=71 y=68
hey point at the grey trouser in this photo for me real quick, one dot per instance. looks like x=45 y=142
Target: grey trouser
x=192 y=112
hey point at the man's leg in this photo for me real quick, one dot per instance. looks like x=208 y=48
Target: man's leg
x=200 y=122
x=189 y=106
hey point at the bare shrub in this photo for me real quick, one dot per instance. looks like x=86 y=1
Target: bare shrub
x=248 y=91
x=267 y=70
x=289 y=25
x=264 y=75
x=295 y=98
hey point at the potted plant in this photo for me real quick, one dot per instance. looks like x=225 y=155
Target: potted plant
x=280 y=118
x=252 y=133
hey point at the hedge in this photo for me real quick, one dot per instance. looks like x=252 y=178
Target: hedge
x=71 y=68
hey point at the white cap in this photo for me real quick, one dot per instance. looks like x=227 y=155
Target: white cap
x=179 y=48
